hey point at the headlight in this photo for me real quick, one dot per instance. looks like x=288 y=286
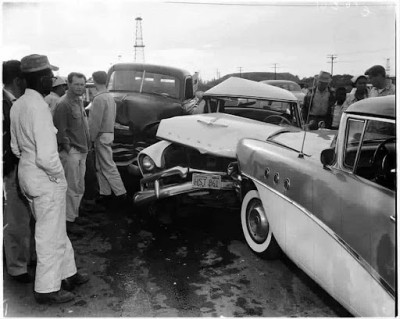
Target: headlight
x=147 y=163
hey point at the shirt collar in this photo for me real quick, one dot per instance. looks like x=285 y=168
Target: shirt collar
x=73 y=97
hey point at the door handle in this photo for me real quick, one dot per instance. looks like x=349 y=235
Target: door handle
x=393 y=218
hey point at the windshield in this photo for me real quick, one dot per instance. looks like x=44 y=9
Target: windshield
x=145 y=82
x=269 y=111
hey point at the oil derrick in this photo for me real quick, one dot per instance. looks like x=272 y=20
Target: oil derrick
x=139 y=46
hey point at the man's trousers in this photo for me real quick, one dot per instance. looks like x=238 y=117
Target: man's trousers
x=16 y=226
x=74 y=164
x=107 y=172
x=55 y=255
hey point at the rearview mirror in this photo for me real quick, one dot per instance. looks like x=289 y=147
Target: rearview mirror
x=328 y=156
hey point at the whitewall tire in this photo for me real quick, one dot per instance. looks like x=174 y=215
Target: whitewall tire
x=256 y=228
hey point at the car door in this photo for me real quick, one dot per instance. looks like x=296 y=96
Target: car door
x=354 y=205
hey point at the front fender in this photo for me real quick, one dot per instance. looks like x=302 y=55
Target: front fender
x=155 y=152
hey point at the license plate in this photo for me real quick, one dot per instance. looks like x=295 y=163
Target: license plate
x=206 y=181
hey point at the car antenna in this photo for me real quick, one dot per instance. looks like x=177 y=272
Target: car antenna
x=301 y=154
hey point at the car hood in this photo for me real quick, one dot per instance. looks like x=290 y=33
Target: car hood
x=215 y=133
x=314 y=143
x=238 y=87
x=138 y=110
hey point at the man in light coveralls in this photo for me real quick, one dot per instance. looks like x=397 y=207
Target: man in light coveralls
x=42 y=180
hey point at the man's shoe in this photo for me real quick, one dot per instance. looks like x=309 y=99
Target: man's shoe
x=76 y=280
x=59 y=296
x=23 y=278
x=74 y=229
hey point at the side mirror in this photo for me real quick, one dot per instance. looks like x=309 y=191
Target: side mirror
x=328 y=156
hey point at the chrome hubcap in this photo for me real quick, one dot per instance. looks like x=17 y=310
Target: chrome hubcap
x=257 y=221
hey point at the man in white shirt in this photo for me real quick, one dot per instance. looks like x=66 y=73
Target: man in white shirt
x=42 y=180
x=381 y=85
x=57 y=91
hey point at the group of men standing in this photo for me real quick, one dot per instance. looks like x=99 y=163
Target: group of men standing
x=44 y=164
x=323 y=106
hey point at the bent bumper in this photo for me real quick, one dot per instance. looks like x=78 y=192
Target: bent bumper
x=158 y=192
x=147 y=196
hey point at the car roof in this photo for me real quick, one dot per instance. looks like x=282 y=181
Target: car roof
x=383 y=106
x=278 y=82
x=242 y=88
x=153 y=68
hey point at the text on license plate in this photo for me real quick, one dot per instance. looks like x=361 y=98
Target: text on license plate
x=206 y=181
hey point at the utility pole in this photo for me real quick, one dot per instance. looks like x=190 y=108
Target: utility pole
x=240 y=70
x=275 y=66
x=387 y=67
x=218 y=74
x=332 y=58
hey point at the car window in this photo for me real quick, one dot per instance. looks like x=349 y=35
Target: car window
x=353 y=134
x=146 y=82
x=371 y=154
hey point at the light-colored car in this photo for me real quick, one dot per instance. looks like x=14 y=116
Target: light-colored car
x=288 y=85
x=192 y=160
x=329 y=204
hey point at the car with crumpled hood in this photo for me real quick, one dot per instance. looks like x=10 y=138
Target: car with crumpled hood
x=145 y=94
x=192 y=161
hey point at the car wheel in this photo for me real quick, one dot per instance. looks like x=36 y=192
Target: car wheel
x=256 y=228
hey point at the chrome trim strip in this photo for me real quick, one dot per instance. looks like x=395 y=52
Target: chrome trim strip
x=336 y=237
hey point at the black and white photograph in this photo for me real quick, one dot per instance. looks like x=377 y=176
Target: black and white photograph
x=173 y=158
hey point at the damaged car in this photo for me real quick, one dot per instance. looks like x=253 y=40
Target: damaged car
x=193 y=160
x=145 y=94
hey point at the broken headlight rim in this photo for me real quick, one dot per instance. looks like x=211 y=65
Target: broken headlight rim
x=147 y=163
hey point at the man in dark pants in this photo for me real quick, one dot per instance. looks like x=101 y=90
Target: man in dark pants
x=16 y=213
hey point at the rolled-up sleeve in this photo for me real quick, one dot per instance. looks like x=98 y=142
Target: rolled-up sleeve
x=47 y=157
x=96 y=117
x=60 y=122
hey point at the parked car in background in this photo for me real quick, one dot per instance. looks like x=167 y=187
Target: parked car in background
x=290 y=86
x=192 y=161
x=329 y=205
x=145 y=94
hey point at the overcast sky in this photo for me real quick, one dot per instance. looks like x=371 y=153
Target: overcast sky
x=205 y=36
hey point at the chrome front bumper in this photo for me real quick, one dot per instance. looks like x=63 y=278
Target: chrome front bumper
x=146 y=196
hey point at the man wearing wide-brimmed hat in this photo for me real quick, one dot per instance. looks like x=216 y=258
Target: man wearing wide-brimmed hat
x=318 y=103
x=42 y=180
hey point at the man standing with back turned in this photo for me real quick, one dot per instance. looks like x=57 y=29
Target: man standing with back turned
x=42 y=180
x=101 y=126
